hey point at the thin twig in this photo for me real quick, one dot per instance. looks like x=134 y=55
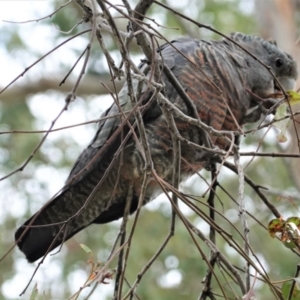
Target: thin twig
x=41 y=58
x=242 y=215
x=43 y=18
x=207 y=281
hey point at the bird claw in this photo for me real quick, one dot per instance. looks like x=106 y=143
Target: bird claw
x=267 y=107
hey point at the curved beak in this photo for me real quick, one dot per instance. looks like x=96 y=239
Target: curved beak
x=287 y=83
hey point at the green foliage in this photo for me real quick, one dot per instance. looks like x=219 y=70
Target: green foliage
x=66 y=19
x=181 y=255
x=286 y=288
x=34 y=293
x=229 y=16
x=12 y=39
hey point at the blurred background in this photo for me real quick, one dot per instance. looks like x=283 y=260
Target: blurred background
x=34 y=101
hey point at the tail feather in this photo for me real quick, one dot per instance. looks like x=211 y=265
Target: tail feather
x=37 y=236
x=36 y=241
x=39 y=240
x=72 y=205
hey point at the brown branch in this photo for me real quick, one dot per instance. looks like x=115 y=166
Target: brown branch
x=121 y=264
x=207 y=280
x=90 y=86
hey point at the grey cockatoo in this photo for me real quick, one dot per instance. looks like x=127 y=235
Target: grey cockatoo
x=244 y=83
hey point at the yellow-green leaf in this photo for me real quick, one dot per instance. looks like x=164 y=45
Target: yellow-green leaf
x=275 y=226
x=286 y=287
x=34 y=292
x=295 y=220
x=294 y=97
x=85 y=248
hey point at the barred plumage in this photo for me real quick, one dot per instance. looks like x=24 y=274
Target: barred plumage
x=214 y=73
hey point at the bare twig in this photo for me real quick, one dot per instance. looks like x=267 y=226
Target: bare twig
x=41 y=58
x=242 y=215
x=43 y=18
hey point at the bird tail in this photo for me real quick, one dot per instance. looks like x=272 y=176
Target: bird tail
x=45 y=230
x=82 y=202
x=39 y=235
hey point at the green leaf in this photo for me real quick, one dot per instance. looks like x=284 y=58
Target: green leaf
x=286 y=287
x=276 y=225
x=294 y=97
x=294 y=220
x=85 y=248
x=289 y=244
x=34 y=292
x=281 y=112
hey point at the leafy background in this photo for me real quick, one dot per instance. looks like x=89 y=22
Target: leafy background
x=36 y=98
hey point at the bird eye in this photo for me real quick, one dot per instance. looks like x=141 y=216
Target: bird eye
x=278 y=62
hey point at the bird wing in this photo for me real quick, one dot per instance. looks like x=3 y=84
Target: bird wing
x=84 y=176
x=108 y=126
